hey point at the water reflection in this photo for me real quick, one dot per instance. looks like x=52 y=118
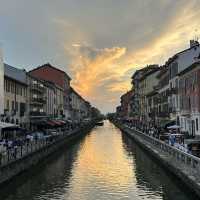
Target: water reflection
x=153 y=179
x=105 y=165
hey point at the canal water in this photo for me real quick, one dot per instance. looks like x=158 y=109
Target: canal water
x=104 y=165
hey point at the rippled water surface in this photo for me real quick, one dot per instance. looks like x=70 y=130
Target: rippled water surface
x=104 y=165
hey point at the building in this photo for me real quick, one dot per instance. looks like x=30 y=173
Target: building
x=147 y=82
x=15 y=96
x=1 y=83
x=118 y=111
x=162 y=112
x=135 y=99
x=60 y=78
x=55 y=105
x=169 y=94
x=37 y=100
x=178 y=63
x=189 y=92
x=125 y=108
x=80 y=108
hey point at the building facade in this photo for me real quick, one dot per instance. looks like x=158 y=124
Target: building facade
x=135 y=99
x=50 y=73
x=162 y=112
x=147 y=82
x=1 y=83
x=37 y=100
x=80 y=108
x=15 y=96
x=189 y=92
x=125 y=108
x=55 y=105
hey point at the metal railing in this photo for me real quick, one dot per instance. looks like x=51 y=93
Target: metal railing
x=16 y=153
x=180 y=156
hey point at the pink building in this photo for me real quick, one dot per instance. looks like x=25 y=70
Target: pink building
x=189 y=91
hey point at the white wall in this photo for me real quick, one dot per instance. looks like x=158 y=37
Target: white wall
x=1 y=83
x=187 y=58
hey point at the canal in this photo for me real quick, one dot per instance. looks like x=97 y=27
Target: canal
x=104 y=165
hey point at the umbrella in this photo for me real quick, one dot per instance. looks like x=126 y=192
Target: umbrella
x=174 y=127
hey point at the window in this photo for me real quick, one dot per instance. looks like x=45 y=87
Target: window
x=197 y=124
x=13 y=107
x=16 y=106
x=8 y=86
x=7 y=105
x=22 y=109
x=24 y=91
x=21 y=90
x=34 y=82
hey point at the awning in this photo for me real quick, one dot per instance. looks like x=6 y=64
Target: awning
x=50 y=123
x=57 y=122
x=8 y=125
x=173 y=127
x=62 y=122
x=166 y=123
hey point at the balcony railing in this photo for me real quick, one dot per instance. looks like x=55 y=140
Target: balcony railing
x=37 y=113
x=173 y=91
x=38 y=101
x=38 y=88
x=172 y=109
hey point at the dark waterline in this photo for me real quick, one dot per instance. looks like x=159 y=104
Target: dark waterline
x=105 y=165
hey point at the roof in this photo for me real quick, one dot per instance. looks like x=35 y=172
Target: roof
x=49 y=65
x=137 y=72
x=170 y=60
x=152 y=93
x=191 y=67
x=163 y=71
x=149 y=72
x=51 y=84
x=72 y=90
x=16 y=74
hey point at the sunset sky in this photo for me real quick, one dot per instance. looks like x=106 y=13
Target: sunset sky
x=99 y=43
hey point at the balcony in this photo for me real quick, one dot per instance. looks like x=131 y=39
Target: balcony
x=38 y=88
x=164 y=114
x=39 y=101
x=173 y=91
x=37 y=114
x=172 y=109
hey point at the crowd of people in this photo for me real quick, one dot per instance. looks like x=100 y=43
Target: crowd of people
x=13 y=147
x=171 y=136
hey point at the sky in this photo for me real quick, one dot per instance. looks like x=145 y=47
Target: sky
x=99 y=43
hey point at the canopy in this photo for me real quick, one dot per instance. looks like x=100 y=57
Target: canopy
x=50 y=123
x=173 y=127
x=166 y=123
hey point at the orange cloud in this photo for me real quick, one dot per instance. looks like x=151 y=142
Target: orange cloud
x=91 y=67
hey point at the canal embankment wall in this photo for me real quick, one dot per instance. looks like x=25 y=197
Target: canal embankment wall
x=183 y=165
x=15 y=167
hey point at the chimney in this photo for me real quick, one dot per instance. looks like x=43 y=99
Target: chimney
x=194 y=43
